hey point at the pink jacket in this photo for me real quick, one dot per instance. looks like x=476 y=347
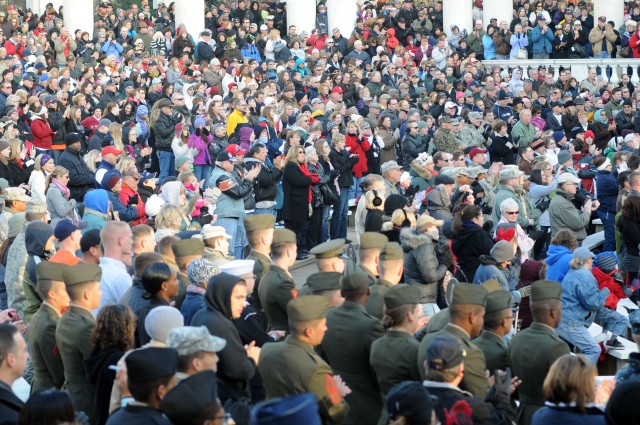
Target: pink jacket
x=202 y=146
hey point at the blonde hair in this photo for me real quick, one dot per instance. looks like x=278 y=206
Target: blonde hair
x=16 y=146
x=115 y=130
x=292 y=153
x=571 y=379
x=125 y=162
x=337 y=139
x=169 y=217
x=58 y=171
x=38 y=165
x=369 y=197
x=90 y=159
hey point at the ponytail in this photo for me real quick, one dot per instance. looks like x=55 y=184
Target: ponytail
x=468 y=213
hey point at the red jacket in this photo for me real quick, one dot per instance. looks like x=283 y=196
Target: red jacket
x=12 y=49
x=42 y=133
x=634 y=44
x=605 y=280
x=359 y=149
x=127 y=193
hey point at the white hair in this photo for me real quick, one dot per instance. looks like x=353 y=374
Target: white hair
x=507 y=204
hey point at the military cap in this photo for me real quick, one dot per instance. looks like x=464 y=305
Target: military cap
x=191 y=339
x=238 y=267
x=284 y=236
x=186 y=247
x=634 y=319
x=149 y=364
x=294 y=410
x=546 y=290
x=497 y=301
x=189 y=398
x=467 y=293
x=81 y=273
x=308 y=307
x=444 y=352
x=492 y=285
x=15 y=194
x=47 y=270
x=17 y=224
x=373 y=240
x=353 y=277
x=329 y=249
x=510 y=173
x=392 y=251
x=401 y=295
x=35 y=207
x=324 y=281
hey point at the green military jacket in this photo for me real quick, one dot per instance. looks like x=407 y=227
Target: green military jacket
x=495 y=351
x=34 y=299
x=260 y=269
x=216 y=257
x=438 y=321
x=446 y=141
x=47 y=362
x=531 y=353
x=394 y=357
x=474 y=380
x=293 y=367
x=276 y=290
x=375 y=303
x=73 y=336
x=347 y=347
x=372 y=277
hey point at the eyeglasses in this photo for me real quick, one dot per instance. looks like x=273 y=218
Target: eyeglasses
x=512 y=212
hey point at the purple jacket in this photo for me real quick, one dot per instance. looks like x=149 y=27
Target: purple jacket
x=202 y=145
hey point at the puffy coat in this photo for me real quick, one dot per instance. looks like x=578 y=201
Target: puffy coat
x=343 y=163
x=359 y=146
x=421 y=264
x=411 y=148
x=125 y=194
x=42 y=133
x=164 y=131
x=266 y=183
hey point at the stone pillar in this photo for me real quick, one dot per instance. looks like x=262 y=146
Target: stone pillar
x=459 y=13
x=612 y=9
x=78 y=14
x=302 y=14
x=500 y=9
x=35 y=6
x=191 y=14
x=341 y=14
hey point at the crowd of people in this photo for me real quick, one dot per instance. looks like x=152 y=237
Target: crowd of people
x=158 y=187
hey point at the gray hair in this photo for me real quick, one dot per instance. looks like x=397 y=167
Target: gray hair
x=506 y=204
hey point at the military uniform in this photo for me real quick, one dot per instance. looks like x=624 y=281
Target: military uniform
x=320 y=282
x=47 y=362
x=293 y=367
x=185 y=248
x=446 y=141
x=254 y=223
x=493 y=345
x=372 y=240
x=276 y=290
x=375 y=303
x=532 y=351
x=347 y=347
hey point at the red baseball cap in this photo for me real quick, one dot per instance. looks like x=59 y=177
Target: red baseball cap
x=235 y=150
x=337 y=89
x=110 y=149
x=476 y=151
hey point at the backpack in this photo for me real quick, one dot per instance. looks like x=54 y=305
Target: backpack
x=283 y=55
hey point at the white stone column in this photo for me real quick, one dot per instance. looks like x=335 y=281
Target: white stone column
x=459 y=13
x=78 y=14
x=341 y=14
x=302 y=14
x=502 y=10
x=612 y=9
x=35 y=6
x=191 y=14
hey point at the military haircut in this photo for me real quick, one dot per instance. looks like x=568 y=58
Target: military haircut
x=7 y=343
x=254 y=236
x=540 y=309
x=141 y=231
x=184 y=361
x=142 y=391
x=368 y=254
x=278 y=249
x=354 y=293
x=297 y=327
x=44 y=286
x=493 y=320
x=461 y=311
x=165 y=245
x=31 y=216
x=75 y=291
x=211 y=242
x=141 y=261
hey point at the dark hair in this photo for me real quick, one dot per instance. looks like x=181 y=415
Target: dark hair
x=255 y=148
x=467 y=214
x=536 y=177
x=114 y=328
x=396 y=316
x=142 y=391
x=154 y=275
x=141 y=261
x=48 y=407
x=630 y=210
x=633 y=161
x=623 y=177
x=7 y=344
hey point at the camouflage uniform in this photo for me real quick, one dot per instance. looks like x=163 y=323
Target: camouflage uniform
x=472 y=136
x=446 y=141
x=14 y=275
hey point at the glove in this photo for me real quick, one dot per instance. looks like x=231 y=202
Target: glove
x=525 y=291
x=205 y=132
x=617 y=278
x=487 y=209
x=133 y=200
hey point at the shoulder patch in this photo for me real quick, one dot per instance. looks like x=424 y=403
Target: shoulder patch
x=332 y=389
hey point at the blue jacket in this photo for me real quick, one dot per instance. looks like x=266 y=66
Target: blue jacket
x=518 y=43
x=581 y=298
x=551 y=415
x=489 y=47
x=96 y=208
x=607 y=189
x=125 y=213
x=112 y=48
x=542 y=43
x=558 y=258
x=104 y=168
x=506 y=277
x=191 y=305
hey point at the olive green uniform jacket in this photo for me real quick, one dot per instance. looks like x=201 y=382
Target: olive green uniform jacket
x=276 y=290
x=394 y=357
x=375 y=303
x=260 y=269
x=495 y=351
x=47 y=363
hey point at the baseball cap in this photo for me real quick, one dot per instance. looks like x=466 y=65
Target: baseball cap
x=235 y=150
x=444 y=352
x=582 y=253
x=337 y=89
x=225 y=156
x=568 y=178
x=449 y=105
x=110 y=149
x=66 y=227
x=477 y=151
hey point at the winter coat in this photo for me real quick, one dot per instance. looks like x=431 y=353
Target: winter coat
x=605 y=280
x=266 y=183
x=558 y=258
x=125 y=194
x=467 y=246
x=96 y=207
x=421 y=264
x=125 y=213
x=295 y=186
x=517 y=43
x=607 y=188
x=201 y=144
x=507 y=278
x=564 y=215
x=343 y=163
x=99 y=374
x=359 y=146
x=439 y=204
x=388 y=151
x=542 y=43
x=501 y=150
x=581 y=298
x=81 y=178
x=411 y=147
x=58 y=206
x=567 y=415
x=596 y=37
x=42 y=133
x=502 y=42
x=164 y=131
x=230 y=204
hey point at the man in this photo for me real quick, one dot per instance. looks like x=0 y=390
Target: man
x=347 y=346
x=371 y=244
x=259 y=228
x=467 y=316
x=15 y=201
x=47 y=363
x=412 y=143
x=204 y=49
x=99 y=138
x=185 y=251
x=81 y=178
x=13 y=360
x=533 y=350
x=196 y=349
x=614 y=105
x=110 y=156
x=478 y=157
x=150 y=375
x=330 y=259
x=525 y=163
x=267 y=179
x=444 y=367
x=445 y=140
x=392 y=172
x=390 y=267
x=134 y=297
x=523 y=132
x=237 y=118
x=216 y=244
x=371 y=182
x=542 y=38
x=277 y=288
x=194 y=400
x=129 y=195
x=498 y=320
x=164 y=130
x=117 y=243
x=91 y=247
x=563 y=213
x=473 y=134
x=75 y=327
x=307 y=372
x=143 y=239
x=68 y=235
x=510 y=182
x=603 y=38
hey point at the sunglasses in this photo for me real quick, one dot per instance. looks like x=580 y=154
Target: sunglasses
x=512 y=212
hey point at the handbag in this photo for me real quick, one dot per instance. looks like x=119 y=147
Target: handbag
x=328 y=196
x=523 y=54
x=579 y=50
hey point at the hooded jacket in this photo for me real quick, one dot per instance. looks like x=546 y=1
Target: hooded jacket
x=96 y=207
x=36 y=236
x=99 y=374
x=468 y=245
x=421 y=265
x=507 y=278
x=558 y=258
x=235 y=368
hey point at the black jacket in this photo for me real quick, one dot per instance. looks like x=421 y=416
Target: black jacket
x=81 y=178
x=343 y=163
x=468 y=245
x=10 y=405
x=205 y=52
x=17 y=175
x=266 y=183
x=502 y=152
x=296 y=193
x=164 y=130
x=141 y=333
x=99 y=374
x=411 y=148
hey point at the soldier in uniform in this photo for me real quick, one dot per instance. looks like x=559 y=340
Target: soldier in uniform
x=371 y=244
x=259 y=228
x=292 y=366
x=216 y=244
x=185 y=251
x=277 y=287
x=47 y=363
x=466 y=312
x=498 y=322
x=326 y=284
x=73 y=334
x=329 y=258
x=390 y=266
x=347 y=347
x=533 y=350
x=445 y=140
x=631 y=372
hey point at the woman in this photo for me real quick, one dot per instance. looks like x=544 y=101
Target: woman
x=388 y=152
x=504 y=149
x=509 y=211
x=48 y=407
x=296 y=185
x=530 y=271
x=570 y=392
x=41 y=131
x=200 y=140
x=543 y=184
x=169 y=221
x=342 y=161
x=470 y=241
x=5 y=153
x=199 y=271
x=174 y=193
x=519 y=42
x=488 y=44
x=563 y=211
x=59 y=201
x=19 y=171
x=314 y=228
x=581 y=300
x=357 y=144
x=607 y=190
x=96 y=209
x=112 y=181
x=602 y=129
x=112 y=337
x=629 y=227
x=425 y=263
x=161 y=283
x=559 y=254
x=37 y=181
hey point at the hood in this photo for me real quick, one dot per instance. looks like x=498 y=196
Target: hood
x=601 y=276
x=245 y=134
x=99 y=361
x=409 y=239
x=36 y=237
x=420 y=170
x=218 y=294
x=299 y=62
x=487 y=260
x=391 y=32
x=514 y=75
x=555 y=253
x=597 y=117
x=171 y=192
x=438 y=197
x=530 y=272
x=97 y=200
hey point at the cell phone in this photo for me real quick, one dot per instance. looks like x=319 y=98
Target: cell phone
x=611 y=120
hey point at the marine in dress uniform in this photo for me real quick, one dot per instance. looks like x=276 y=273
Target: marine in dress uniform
x=73 y=333
x=498 y=320
x=329 y=258
x=347 y=347
x=259 y=228
x=47 y=363
x=533 y=350
x=192 y=398
x=185 y=251
x=391 y=266
x=293 y=367
x=371 y=245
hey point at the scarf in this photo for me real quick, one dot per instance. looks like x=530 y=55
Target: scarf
x=194 y=289
x=305 y=171
x=64 y=189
